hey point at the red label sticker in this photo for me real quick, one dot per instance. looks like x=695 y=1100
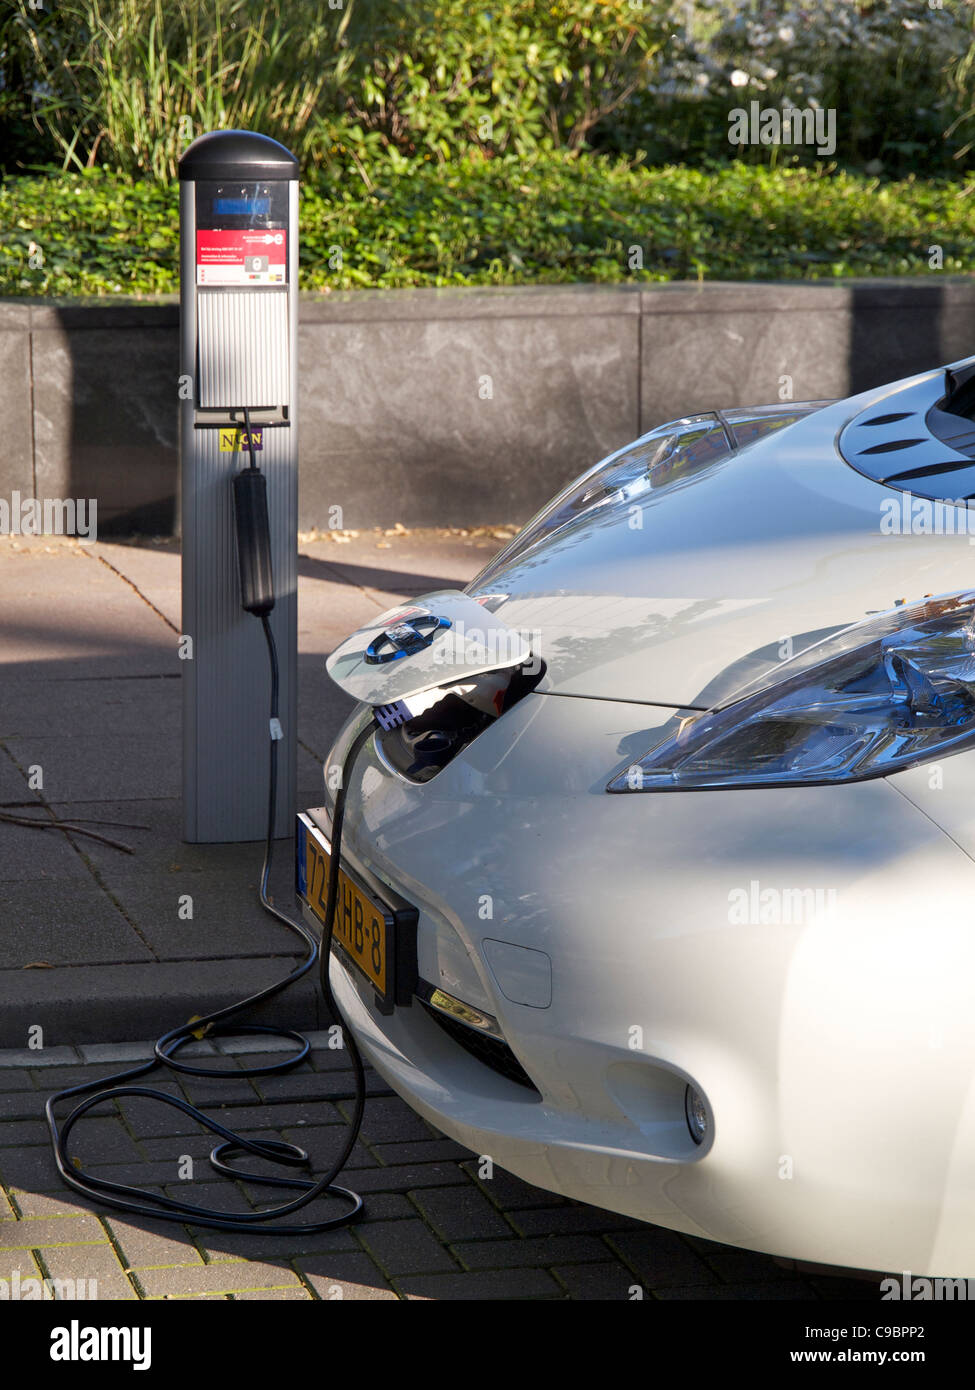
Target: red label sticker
x=240 y=257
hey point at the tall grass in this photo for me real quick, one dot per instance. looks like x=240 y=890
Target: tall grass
x=138 y=79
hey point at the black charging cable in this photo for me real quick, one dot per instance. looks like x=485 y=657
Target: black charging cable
x=257 y=594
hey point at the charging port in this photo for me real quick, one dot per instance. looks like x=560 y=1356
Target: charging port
x=425 y=744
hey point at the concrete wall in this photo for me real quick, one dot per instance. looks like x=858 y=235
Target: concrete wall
x=453 y=407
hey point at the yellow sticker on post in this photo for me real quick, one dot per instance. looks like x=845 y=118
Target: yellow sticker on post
x=234 y=440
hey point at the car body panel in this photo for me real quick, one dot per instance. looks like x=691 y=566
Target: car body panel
x=783 y=541
x=813 y=1040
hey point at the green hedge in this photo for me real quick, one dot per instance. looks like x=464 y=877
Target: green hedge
x=507 y=221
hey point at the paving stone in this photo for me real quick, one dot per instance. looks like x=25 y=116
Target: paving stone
x=261 y=1054
x=110 y=1054
x=297 y=1295
x=35 y=1233
x=34 y=1058
x=248 y=1245
x=98 y=1140
x=744 y=1266
x=254 y=1049
x=405 y=1247
x=226 y=1277
x=210 y=1093
x=319 y=1038
x=387 y=1206
x=505 y=1190
x=542 y=1251
x=403 y=1178
x=29 y=1168
x=21 y=1133
x=155 y=1119
x=392 y=1121
x=345 y=1276
x=19 y=1265
x=143 y=1242
x=6 y=1210
x=306 y=1086
x=265 y=1194
x=606 y=1282
x=538 y=1221
x=210 y=1297
x=29 y=856
x=161 y=853
x=460 y=1213
x=137 y=1174
x=121 y=703
x=79 y=770
x=292 y=1116
x=44 y=921
x=59 y=1078
x=88 y=1262
x=15 y=1079
x=197 y=1146
x=493 y=1284
x=63 y=1202
x=660 y=1258
x=21 y=1105
x=220 y=1195
x=420 y=1151
x=227 y=921
x=160 y=1080
x=248 y=1061
x=337 y=1059
x=323 y=1147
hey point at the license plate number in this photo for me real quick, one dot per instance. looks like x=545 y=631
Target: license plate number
x=364 y=927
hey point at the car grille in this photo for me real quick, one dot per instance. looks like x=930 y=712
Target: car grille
x=492 y=1052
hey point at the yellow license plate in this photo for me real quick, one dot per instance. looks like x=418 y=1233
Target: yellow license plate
x=364 y=928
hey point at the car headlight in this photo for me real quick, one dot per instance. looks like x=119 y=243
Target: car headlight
x=886 y=693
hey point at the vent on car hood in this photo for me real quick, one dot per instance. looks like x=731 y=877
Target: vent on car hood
x=920 y=439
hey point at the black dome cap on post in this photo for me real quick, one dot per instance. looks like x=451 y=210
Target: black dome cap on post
x=232 y=154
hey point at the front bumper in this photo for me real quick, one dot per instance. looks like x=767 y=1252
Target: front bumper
x=834 y=1045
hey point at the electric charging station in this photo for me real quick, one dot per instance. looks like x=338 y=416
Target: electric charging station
x=238 y=335
x=238 y=349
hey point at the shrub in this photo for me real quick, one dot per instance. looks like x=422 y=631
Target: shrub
x=444 y=77
x=893 y=72
x=372 y=86
x=505 y=221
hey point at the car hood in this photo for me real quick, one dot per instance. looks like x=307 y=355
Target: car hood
x=742 y=564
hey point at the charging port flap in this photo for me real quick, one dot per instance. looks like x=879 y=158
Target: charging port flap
x=442 y=639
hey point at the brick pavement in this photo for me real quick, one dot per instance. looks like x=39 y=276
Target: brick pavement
x=432 y=1230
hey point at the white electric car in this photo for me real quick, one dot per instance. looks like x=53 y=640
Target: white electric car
x=658 y=883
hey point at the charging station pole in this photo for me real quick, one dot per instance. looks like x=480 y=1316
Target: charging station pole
x=238 y=347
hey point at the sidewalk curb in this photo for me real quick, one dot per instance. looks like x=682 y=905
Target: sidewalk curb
x=88 y=1004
